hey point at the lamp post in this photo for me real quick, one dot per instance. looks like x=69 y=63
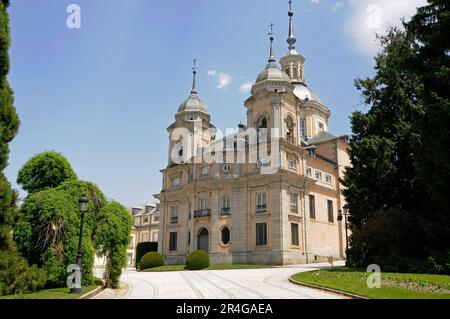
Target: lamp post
x=83 y=204
x=339 y=218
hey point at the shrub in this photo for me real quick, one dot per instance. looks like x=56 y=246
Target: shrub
x=198 y=259
x=143 y=248
x=151 y=260
x=16 y=277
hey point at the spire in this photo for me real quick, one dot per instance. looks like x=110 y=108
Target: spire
x=272 y=56
x=291 y=39
x=194 y=74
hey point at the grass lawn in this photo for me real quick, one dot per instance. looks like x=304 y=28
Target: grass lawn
x=212 y=267
x=55 y=293
x=393 y=285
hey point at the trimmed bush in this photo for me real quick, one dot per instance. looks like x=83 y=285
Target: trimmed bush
x=198 y=259
x=143 y=248
x=151 y=260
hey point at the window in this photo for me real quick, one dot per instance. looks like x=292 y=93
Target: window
x=173 y=241
x=290 y=129
x=174 y=215
x=156 y=218
x=261 y=205
x=330 y=211
x=225 y=235
x=312 y=207
x=261 y=234
x=131 y=241
x=225 y=205
x=318 y=175
x=308 y=172
x=295 y=75
x=303 y=127
x=176 y=181
x=321 y=127
x=291 y=164
x=294 y=234
x=145 y=220
x=155 y=236
x=144 y=237
x=203 y=204
x=294 y=203
x=205 y=171
x=226 y=168
x=328 y=178
x=288 y=71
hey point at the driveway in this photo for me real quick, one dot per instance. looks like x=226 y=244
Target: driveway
x=269 y=283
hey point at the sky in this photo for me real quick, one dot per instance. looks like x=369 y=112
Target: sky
x=103 y=94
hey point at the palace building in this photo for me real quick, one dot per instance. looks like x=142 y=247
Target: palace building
x=240 y=211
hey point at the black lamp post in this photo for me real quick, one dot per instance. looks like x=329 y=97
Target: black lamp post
x=339 y=218
x=83 y=204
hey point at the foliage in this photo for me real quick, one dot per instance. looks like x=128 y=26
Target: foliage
x=45 y=170
x=16 y=277
x=111 y=238
x=197 y=259
x=47 y=231
x=151 y=260
x=144 y=247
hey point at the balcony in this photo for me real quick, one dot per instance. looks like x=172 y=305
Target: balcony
x=226 y=211
x=261 y=208
x=202 y=213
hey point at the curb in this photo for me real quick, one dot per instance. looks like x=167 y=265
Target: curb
x=346 y=294
x=92 y=293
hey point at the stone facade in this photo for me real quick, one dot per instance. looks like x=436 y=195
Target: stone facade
x=237 y=211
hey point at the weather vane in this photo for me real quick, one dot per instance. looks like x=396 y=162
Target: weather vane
x=290 y=5
x=271 y=29
x=195 y=65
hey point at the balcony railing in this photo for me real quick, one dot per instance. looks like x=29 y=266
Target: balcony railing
x=226 y=211
x=261 y=208
x=202 y=213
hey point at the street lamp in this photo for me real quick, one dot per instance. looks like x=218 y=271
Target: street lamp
x=83 y=204
x=339 y=218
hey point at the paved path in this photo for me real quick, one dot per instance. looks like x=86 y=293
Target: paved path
x=216 y=284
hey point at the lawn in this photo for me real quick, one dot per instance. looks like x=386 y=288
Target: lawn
x=55 y=293
x=393 y=285
x=212 y=267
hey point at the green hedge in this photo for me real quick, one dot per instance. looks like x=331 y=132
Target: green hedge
x=198 y=259
x=143 y=248
x=151 y=260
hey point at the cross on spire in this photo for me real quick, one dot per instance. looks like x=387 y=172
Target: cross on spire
x=271 y=56
x=290 y=5
x=194 y=82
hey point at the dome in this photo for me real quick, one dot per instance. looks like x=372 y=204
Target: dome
x=303 y=93
x=193 y=103
x=272 y=73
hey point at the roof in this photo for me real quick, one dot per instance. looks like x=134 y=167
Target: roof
x=322 y=137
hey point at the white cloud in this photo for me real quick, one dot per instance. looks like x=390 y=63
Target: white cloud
x=212 y=73
x=223 y=80
x=368 y=18
x=336 y=7
x=315 y=1
x=245 y=88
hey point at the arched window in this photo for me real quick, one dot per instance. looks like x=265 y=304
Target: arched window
x=290 y=136
x=261 y=127
x=225 y=235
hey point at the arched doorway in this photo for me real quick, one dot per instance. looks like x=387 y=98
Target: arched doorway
x=203 y=239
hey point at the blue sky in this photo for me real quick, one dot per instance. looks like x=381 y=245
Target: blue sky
x=103 y=95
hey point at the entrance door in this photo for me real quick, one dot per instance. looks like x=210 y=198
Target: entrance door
x=203 y=240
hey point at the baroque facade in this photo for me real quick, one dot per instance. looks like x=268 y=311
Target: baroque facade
x=280 y=208
x=145 y=228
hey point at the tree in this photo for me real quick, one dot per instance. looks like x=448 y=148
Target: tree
x=45 y=170
x=430 y=28
x=46 y=232
x=15 y=274
x=112 y=237
x=399 y=150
